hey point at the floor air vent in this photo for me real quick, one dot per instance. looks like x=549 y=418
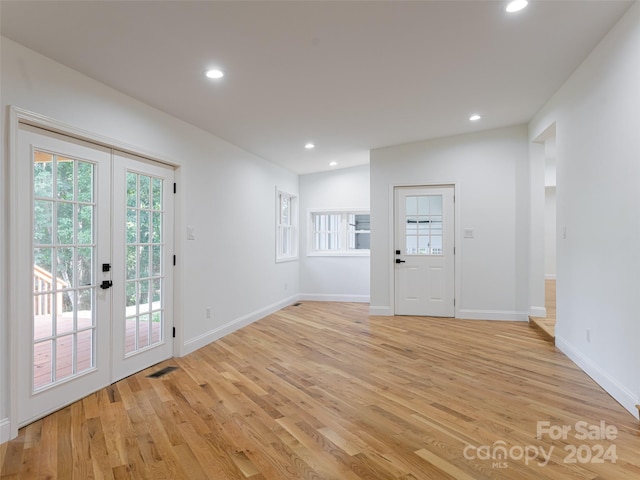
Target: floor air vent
x=162 y=372
x=297 y=304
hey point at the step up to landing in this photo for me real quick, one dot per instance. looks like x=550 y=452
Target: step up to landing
x=544 y=326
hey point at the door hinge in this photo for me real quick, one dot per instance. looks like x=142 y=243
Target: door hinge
x=174 y=260
x=175 y=188
x=454 y=304
x=174 y=332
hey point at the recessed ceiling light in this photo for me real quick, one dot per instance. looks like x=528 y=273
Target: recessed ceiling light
x=333 y=164
x=475 y=117
x=214 y=73
x=309 y=146
x=516 y=5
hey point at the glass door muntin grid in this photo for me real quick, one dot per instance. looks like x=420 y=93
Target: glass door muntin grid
x=423 y=223
x=63 y=258
x=144 y=309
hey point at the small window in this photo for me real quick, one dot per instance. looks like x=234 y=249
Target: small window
x=286 y=228
x=339 y=233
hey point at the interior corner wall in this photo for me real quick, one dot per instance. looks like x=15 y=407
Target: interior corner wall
x=550 y=233
x=225 y=193
x=491 y=172
x=598 y=173
x=333 y=278
x=537 y=229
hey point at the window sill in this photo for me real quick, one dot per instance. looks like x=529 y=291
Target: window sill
x=286 y=259
x=339 y=254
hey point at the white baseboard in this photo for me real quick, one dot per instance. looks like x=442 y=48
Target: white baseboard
x=619 y=392
x=501 y=315
x=5 y=430
x=549 y=276
x=540 y=312
x=206 y=338
x=327 y=297
x=381 y=311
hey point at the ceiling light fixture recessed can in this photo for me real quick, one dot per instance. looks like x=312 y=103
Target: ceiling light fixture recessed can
x=333 y=164
x=516 y=6
x=214 y=73
x=309 y=146
x=475 y=117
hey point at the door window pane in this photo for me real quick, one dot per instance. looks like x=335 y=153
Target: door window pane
x=64 y=255
x=145 y=246
x=144 y=192
x=85 y=182
x=43 y=317
x=42 y=364
x=65 y=230
x=65 y=176
x=43 y=175
x=43 y=222
x=423 y=219
x=85 y=224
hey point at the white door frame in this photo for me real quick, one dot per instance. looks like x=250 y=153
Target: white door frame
x=390 y=256
x=17 y=309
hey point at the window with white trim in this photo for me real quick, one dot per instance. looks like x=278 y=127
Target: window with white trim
x=287 y=227
x=339 y=233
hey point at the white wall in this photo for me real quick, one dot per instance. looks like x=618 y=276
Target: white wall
x=550 y=232
x=337 y=278
x=227 y=194
x=491 y=172
x=598 y=174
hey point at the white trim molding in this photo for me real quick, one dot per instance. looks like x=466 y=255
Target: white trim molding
x=5 y=430
x=619 y=392
x=212 y=335
x=383 y=311
x=498 y=315
x=337 y=297
x=540 y=312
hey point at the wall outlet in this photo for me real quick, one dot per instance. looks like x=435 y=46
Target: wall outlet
x=588 y=335
x=208 y=312
x=286 y=286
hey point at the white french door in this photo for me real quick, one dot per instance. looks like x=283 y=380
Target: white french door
x=78 y=329
x=142 y=255
x=424 y=251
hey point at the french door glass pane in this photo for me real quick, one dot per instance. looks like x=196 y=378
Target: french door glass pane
x=145 y=244
x=64 y=268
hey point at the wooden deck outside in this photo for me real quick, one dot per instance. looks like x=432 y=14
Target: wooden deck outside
x=324 y=391
x=43 y=351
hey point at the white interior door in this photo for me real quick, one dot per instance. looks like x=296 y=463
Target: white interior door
x=424 y=251
x=142 y=263
x=65 y=237
x=94 y=256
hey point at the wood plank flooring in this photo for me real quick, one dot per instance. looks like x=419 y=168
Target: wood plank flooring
x=324 y=391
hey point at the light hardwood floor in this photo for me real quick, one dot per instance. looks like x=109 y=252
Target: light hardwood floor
x=324 y=391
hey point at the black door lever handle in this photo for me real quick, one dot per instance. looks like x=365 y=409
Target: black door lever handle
x=400 y=261
x=106 y=284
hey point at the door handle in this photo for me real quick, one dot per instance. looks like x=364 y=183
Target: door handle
x=106 y=284
x=400 y=261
